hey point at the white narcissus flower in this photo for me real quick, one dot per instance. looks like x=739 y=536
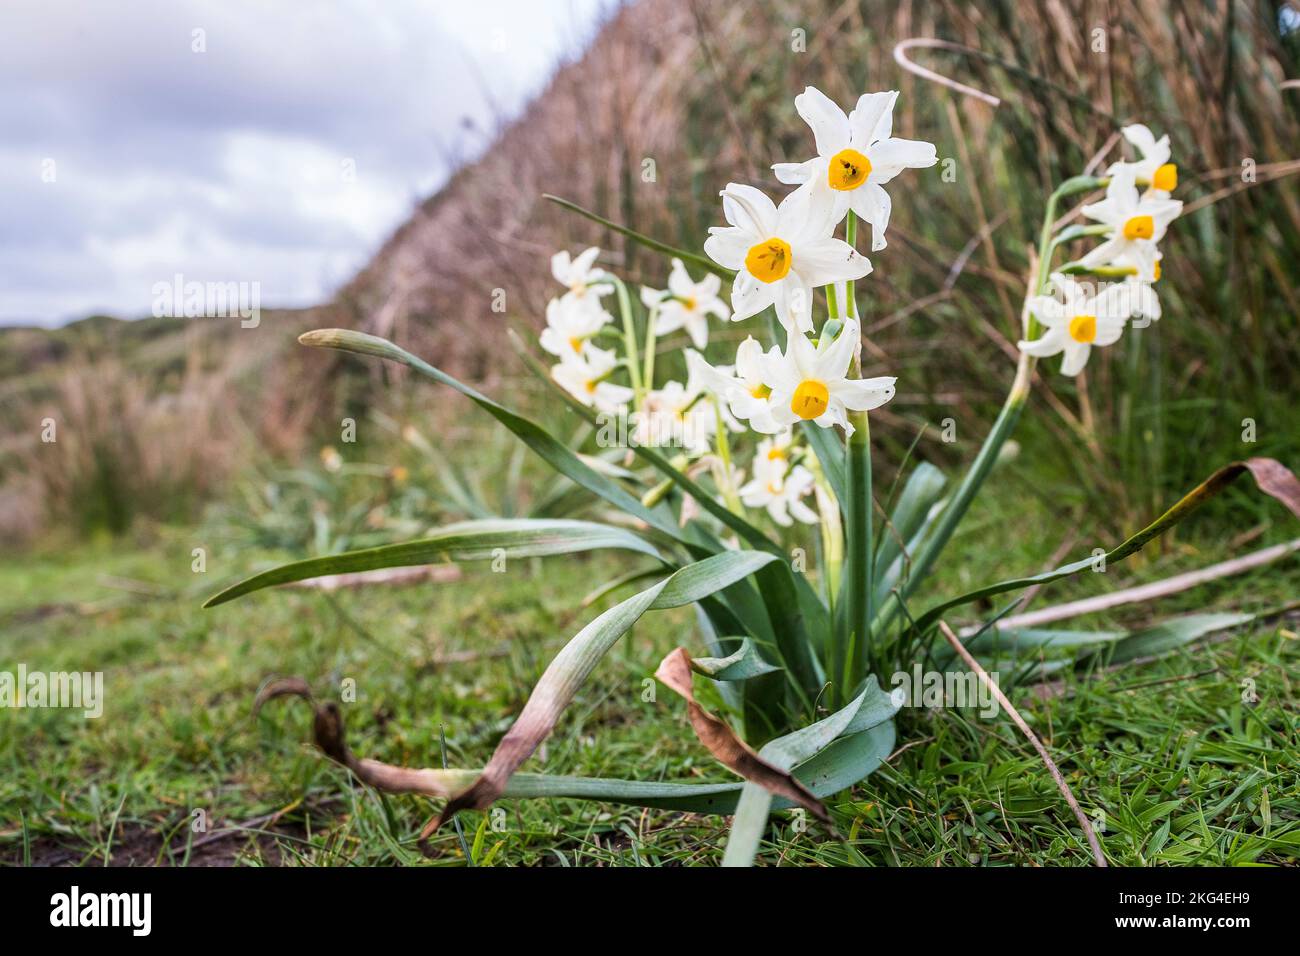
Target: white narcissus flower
x=1136 y=224
x=1143 y=303
x=780 y=253
x=1154 y=168
x=744 y=391
x=856 y=156
x=675 y=416
x=578 y=274
x=570 y=323
x=1078 y=321
x=584 y=379
x=773 y=457
x=809 y=381
x=686 y=304
x=781 y=493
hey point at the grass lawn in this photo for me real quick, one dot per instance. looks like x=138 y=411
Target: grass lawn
x=1166 y=757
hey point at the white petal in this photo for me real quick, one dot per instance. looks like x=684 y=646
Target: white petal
x=582 y=265
x=749 y=209
x=829 y=124
x=749 y=361
x=679 y=281
x=803 y=512
x=560 y=266
x=795 y=174
x=1047 y=310
x=728 y=246
x=833 y=357
x=749 y=296
x=1141 y=137
x=1076 y=357
x=1106 y=253
x=872 y=204
x=671 y=317
x=829 y=260
x=864 y=394
x=793 y=299
x=1103 y=211
x=872 y=118
x=892 y=156
x=1052 y=341
x=698 y=328
x=1108 y=331
x=807 y=213
x=1122 y=190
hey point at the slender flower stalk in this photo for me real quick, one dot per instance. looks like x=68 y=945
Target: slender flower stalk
x=1003 y=425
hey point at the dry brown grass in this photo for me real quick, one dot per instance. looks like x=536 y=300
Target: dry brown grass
x=705 y=89
x=153 y=430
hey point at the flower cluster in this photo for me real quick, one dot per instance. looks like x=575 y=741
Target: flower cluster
x=780 y=254
x=1132 y=224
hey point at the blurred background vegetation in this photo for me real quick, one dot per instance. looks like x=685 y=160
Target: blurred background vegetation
x=158 y=417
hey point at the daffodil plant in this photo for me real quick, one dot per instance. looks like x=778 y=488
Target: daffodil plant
x=747 y=488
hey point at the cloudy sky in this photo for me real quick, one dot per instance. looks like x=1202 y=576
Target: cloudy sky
x=269 y=141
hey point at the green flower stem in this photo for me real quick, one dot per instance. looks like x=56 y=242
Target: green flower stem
x=832 y=303
x=832 y=531
x=629 y=337
x=851 y=237
x=650 y=348
x=859 y=533
x=724 y=453
x=660 y=491
x=858 y=570
x=1007 y=417
x=1046 y=245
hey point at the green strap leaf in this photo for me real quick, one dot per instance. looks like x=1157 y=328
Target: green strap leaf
x=825 y=774
x=1270 y=476
x=745 y=663
x=554 y=452
x=829 y=450
x=704 y=262
x=576 y=660
x=870 y=709
x=912 y=516
x=464 y=541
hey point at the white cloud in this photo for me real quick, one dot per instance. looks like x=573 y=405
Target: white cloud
x=235 y=162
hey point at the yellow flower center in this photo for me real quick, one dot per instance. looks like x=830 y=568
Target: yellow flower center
x=769 y=261
x=1140 y=227
x=575 y=343
x=1083 y=328
x=1157 y=271
x=776 y=454
x=591 y=386
x=690 y=303
x=760 y=391
x=849 y=169
x=1166 y=178
x=810 y=399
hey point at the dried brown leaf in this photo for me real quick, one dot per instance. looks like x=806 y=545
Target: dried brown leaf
x=732 y=752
